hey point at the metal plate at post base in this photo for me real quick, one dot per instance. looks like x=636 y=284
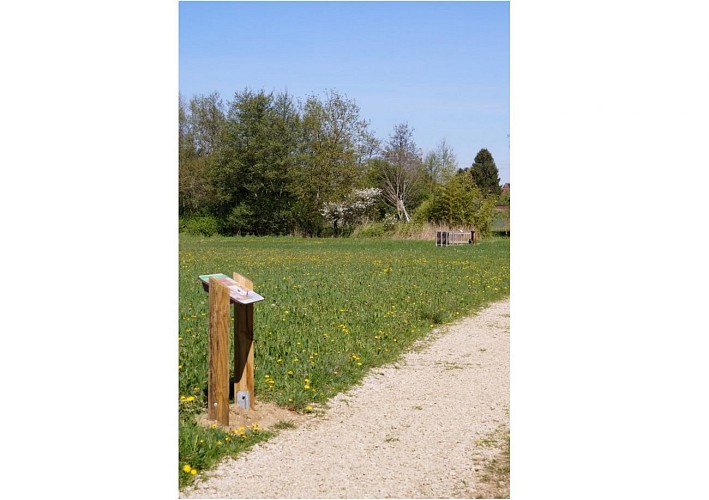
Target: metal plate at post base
x=243 y=400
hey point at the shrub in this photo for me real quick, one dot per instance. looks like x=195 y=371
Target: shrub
x=424 y=212
x=459 y=203
x=344 y=215
x=389 y=222
x=239 y=220
x=484 y=216
x=371 y=230
x=204 y=226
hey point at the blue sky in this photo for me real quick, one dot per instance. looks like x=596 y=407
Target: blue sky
x=443 y=67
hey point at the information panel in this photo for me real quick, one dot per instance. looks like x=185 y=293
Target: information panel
x=236 y=292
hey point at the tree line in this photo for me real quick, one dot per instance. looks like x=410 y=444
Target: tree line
x=267 y=163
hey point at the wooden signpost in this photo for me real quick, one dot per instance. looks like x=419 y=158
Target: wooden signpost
x=240 y=292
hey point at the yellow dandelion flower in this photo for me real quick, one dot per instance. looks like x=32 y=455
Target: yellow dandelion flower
x=306 y=386
x=187 y=468
x=309 y=408
x=190 y=398
x=193 y=471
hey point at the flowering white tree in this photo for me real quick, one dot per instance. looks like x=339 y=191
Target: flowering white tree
x=352 y=210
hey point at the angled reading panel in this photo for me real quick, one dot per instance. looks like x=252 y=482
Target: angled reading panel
x=240 y=292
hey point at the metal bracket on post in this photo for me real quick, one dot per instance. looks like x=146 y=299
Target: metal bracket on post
x=243 y=400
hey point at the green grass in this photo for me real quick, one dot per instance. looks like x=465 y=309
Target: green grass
x=201 y=448
x=284 y=424
x=333 y=309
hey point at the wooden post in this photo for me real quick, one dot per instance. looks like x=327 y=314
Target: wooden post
x=218 y=382
x=243 y=282
x=244 y=344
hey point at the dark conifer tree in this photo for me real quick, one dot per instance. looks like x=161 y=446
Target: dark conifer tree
x=485 y=173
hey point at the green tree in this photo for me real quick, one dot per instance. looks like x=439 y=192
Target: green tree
x=456 y=202
x=201 y=124
x=485 y=174
x=185 y=155
x=460 y=203
x=206 y=122
x=335 y=145
x=440 y=164
x=251 y=178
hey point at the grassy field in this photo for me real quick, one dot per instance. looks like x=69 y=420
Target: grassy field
x=333 y=309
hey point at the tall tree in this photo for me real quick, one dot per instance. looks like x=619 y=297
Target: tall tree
x=252 y=168
x=441 y=163
x=402 y=174
x=485 y=174
x=206 y=123
x=336 y=143
x=201 y=124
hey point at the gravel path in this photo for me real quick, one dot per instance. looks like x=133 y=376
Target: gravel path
x=412 y=429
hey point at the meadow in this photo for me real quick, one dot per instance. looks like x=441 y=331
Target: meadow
x=333 y=309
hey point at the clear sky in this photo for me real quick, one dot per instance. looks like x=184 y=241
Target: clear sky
x=443 y=67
